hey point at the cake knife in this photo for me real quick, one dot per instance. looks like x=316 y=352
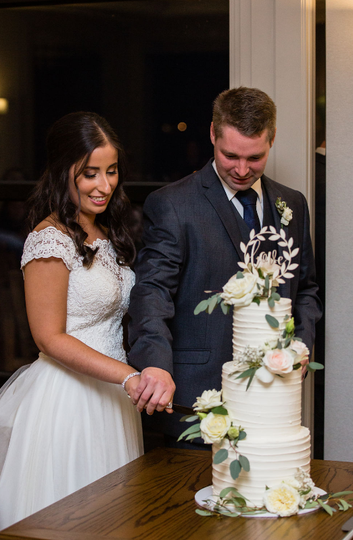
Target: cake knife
x=182 y=410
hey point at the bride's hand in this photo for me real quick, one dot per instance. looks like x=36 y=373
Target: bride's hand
x=132 y=384
x=155 y=391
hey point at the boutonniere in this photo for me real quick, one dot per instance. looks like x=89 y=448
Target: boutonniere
x=284 y=211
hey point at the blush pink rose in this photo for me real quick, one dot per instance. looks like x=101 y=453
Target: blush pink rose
x=279 y=361
x=302 y=351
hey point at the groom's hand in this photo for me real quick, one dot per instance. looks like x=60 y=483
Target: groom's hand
x=155 y=390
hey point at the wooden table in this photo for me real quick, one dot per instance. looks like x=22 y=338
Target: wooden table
x=152 y=498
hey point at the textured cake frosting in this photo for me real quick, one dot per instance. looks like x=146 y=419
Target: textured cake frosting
x=276 y=443
x=250 y=326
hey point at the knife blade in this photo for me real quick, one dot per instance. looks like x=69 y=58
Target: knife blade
x=182 y=410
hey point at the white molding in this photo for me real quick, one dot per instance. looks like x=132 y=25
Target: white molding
x=272 y=45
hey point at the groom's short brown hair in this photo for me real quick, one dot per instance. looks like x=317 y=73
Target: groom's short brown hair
x=249 y=110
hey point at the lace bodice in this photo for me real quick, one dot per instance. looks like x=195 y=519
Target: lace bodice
x=97 y=298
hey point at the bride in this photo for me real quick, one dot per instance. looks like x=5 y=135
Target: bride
x=67 y=420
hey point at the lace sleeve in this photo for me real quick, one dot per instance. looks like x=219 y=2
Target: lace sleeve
x=50 y=242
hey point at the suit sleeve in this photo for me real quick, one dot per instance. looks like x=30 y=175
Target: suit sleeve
x=158 y=268
x=307 y=308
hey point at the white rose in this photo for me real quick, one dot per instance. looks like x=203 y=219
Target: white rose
x=240 y=292
x=282 y=500
x=214 y=427
x=301 y=350
x=208 y=400
x=286 y=216
x=279 y=361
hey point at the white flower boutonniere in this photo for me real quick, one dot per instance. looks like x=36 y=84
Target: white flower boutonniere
x=284 y=211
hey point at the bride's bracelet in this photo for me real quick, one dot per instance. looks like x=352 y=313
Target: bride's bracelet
x=129 y=377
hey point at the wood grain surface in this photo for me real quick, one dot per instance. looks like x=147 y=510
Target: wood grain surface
x=152 y=498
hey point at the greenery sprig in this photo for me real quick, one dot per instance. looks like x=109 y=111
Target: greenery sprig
x=234 y=434
x=231 y=503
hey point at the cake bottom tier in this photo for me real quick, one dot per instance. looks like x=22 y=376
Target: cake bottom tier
x=271 y=461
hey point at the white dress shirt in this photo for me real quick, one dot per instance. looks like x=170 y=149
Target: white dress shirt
x=231 y=196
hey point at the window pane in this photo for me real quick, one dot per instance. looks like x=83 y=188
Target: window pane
x=152 y=68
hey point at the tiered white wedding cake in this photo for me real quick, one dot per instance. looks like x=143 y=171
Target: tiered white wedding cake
x=261 y=453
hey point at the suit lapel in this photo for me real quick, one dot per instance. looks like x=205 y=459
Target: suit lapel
x=216 y=195
x=270 y=211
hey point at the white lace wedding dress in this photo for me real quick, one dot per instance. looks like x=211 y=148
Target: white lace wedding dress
x=60 y=430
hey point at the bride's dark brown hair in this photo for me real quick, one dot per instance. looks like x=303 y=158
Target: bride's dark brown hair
x=71 y=140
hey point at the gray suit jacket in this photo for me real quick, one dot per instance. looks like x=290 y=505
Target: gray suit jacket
x=192 y=236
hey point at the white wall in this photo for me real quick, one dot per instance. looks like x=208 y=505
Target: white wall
x=339 y=222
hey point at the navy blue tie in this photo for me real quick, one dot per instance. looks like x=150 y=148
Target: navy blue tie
x=248 y=199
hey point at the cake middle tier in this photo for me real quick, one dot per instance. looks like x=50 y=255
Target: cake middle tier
x=264 y=410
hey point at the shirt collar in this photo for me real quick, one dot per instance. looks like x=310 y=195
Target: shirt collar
x=232 y=192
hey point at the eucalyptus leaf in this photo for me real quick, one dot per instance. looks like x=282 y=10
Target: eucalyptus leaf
x=212 y=304
x=225 y=308
x=272 y=321
x=315 y=365
x=242 y=435
x=276 y=296
x=192 y=429
x=235 y=469
x=244 y=462
x=228 y=513
x=202 y=306
x=326 y=507
x=271 y=302
x=184 y=418
x=189 y=418
x=345 y=505
x=240 y=275
x=193 y=436
x=251 y=378
x=203 y=512
x=246 y=373
x=227 y=490
x=311 y=504
x=220 y=456
x=238 y=501
x=341 y=494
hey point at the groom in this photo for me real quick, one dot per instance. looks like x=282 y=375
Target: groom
x=192 y=235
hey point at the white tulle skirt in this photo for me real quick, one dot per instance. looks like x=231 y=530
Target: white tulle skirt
x=60 y=431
